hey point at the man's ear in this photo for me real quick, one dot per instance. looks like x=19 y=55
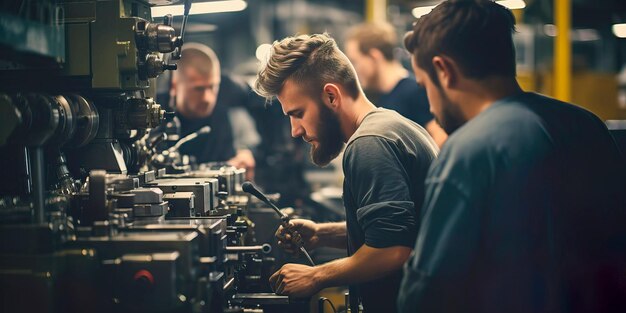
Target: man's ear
x=447 y=71
x=331 y=96
x=376 y=54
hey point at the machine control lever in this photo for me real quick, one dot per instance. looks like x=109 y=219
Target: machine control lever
x=251 y=189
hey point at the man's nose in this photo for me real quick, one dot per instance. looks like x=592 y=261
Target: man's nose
x=296 y=129
x=209 y=96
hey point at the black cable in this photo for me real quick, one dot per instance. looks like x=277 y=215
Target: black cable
x=320 y=305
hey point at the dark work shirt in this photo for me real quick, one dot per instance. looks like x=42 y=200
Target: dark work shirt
x=385 y=163
x=218 y=145
x=524 y=212
x=410 y=100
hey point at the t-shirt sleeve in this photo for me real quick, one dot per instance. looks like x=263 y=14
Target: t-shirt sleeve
x=379 y=186
x=446 y=245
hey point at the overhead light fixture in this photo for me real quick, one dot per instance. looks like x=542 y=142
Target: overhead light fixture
x=421 y=11
x=549 y=30
x=580 y=34
x=201 y=8
x=619 y=30
x=200 y=28
x=263 y=51
x=510 y=4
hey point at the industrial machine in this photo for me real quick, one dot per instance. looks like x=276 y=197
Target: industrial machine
x=93 y=217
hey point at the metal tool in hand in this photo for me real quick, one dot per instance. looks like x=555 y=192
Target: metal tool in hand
x=251 y=189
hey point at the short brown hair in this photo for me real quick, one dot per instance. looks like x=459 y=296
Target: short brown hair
x=477 y=34
x=311 y=61
x=380 y=36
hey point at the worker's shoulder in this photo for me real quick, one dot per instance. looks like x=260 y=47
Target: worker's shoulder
x=388 y=124
x=515 y=121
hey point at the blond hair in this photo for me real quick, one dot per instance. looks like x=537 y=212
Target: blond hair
x=310 y=61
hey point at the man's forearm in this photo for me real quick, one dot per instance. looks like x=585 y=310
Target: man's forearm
x=365 y=265
x=332 y=234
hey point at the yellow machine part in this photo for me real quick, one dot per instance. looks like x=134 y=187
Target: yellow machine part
x=596 y=92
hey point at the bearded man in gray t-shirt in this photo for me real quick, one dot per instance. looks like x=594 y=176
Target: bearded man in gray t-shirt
x=385 y=162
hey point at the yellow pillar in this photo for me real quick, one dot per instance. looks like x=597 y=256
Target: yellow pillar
x=376 y=10
x=563 y=50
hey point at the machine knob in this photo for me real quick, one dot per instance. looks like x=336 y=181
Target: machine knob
x=144 y=113
x=143 y=280
x=155 y=37
x=167 y=20
x=170 y=67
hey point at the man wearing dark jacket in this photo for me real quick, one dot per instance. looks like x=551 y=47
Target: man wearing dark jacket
x=525 y=206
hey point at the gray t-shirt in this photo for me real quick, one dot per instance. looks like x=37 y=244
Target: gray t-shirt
x=385 y=163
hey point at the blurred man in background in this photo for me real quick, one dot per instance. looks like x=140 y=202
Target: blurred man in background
x=525 y=206
x=370 y=48
x=204 y=97
x=384 y=163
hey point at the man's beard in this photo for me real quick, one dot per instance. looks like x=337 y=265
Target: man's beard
x=330 y=138
x=451 y=116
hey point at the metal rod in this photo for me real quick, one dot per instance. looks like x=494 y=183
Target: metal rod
x=307 y=255
x=265 y=248
x=251 y=189
x=229 y=283
x=563 y=50
x=37 y=179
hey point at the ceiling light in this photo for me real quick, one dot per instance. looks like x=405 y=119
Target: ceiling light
x=619 y=30
x=201 y=8
x=200 y=28
x=263 y=52
x=421 y=11
x=510 y=4
x=549 y=30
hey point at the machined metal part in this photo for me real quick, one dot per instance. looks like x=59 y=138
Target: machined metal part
x=151 y=271
x=157 y=37
x=260 y=298
x=150 y=209
x=264 y=248
x=181 y=204
x=143 y=113
x=204 y=189
x=87 y=120
x=98 y=209
x=67 y=124
x=147 y=195
x=38 y=184
x=39 y=118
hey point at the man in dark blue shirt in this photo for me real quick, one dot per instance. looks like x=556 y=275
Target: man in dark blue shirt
x=370 y=48
x=525 y=206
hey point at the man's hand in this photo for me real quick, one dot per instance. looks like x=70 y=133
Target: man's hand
x=299 y=230
x=296 y=280
x=244 y=159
